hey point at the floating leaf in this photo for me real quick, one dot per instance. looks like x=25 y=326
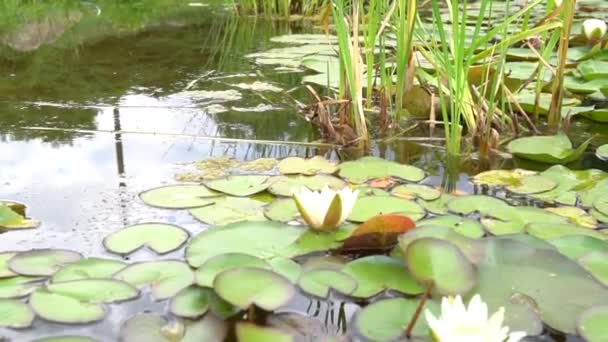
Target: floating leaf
x=42 y=262
x=195 y=301
x=179 y=196
x=602 y=152
x=65 y=338
x=576 y=246
x=9 y=219
x=18 y=286
x=377 y=273
x=58 y=308
x=230 y=210
x=159 y=237
x=575 y=215
x=601 y=205
x=155 y=328
x=386 y=319
x=286 y=267
x=462 y=225
x=95 y=290
x=550 y=231
x=88 y=268
x=568 y=182
x=438 y=206
x=553 y=149
x=378 y=232
x=533 y=185
x=166 y=278
x=282 y=210
x=15 y=314
x=411 y=191
x=309 y=167
x=367 y=207
x=596 y=262
x=470 y=247
x=241 y=186
x=248 y=332
x=5 y=271
x=285 y=185
x=502 y=177
x=441 y=263
x=318 y=282
x=592 y=324
x=368 y=168
x=246 y=286
x=593 y=69
x=207 y=272
x=484 y=205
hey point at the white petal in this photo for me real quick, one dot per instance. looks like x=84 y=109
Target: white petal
x=516 y=336
x=349 y=198
x=594 y=28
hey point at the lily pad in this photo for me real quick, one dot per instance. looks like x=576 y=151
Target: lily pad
x=377 y=273
x=596 y=262
x=19 y=286
x=379 y=232
x=88 y=268
x=533 y=185
x=602 y=152
x=485 y=205
x=241 y=186
x=248 y=332
x=577 y=246
x=95 y=290
x=318 y=282
x=9 y=219
x=230 y=210
x=195 y=301
x=5 y=271
x=462 y=225
x=550 y=231
x=438 y=206
x=592 y=324
x=552 y=149
x=42 y=262
x=166 y=277
x=282 y=210
x=285 y=185
x=593 y=69
x=502 y=177
x=601 y=205
x=309 y=167
x=65 y=338
x=367 y=207
x=59 y=308
x=179 y=196
x=470 y=247
x=248 y=286
x=411 y=191
x=155 y=328
x=575 y=215
x=205 y=275
x=368 y=168
x=15 y=314
x=386 y=319
x=160 y=237
x=568 y=183
x=440 y=263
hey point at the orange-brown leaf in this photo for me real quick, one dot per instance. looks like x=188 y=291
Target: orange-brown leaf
x=379 y=232
x=382 y=183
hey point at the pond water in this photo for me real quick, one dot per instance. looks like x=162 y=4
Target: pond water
x=99 y=102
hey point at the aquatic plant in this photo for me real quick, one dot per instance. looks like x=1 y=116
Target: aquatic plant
x=326 y=209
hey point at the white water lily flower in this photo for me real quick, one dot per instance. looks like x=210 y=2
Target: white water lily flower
x=325 y=209
x=594 y=29
x=460 y=324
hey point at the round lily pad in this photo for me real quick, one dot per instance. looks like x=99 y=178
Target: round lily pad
x=576 y=246
x=596 y=262
x=377 y=273
x=550 y=231
x=65 y=338
x=575 y=215
x=18 y=286
x=42 y=262
x=59 y=308
x=11 y=219
x=5 y=271
x=367 y=168
x=441 y=263
x=601 y=205
x=88 y=268
x=386 y=319
x=532 y=185
x=602 y=152
x=502 y=177
x=411 y=191
x=191 y=302
x=367 y=207
x=318 y=282
x=246 y=286
x=248 y=332
x=15 y=314
x=282 y=210
x=309 y=167
x=160 y=237
x=205 y=275
x=438 y=206
x=472 y=248
x=95 y=290
x=462 y=225
x=151 y=327
x=229 y=210
x=284 y=185
x=165 y=278
x=485 y=205
x=592 y=324
x=553 y=149
x=179 y=196
x=240 y=186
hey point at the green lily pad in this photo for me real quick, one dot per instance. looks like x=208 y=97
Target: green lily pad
x=165 y=278
x=589 y=195
x=485 y=205
x=576 y=246
x=386 y=319
x=533 y=185
x=370 y=206
x=438 y=206
x=5 y=271
x=309 y=167
x=410 y=191
x=368 y=168
x=160 y=237
x=205 y=275
x=230 y=210
x=568 y=183
x=15 y=314
x=248 y=332
x=9 y=219
x=318 y=282
x=516 y=219
x=88 y=268
x=592 y=324
x=377 y=273
x=285 y=185
x=286 y=267
x=42 y=262
x=441 y=263
x=241 y=186
x=156 y=328
x=65 y=338
x=527 y=100
x=598 y=216
x=593 y=69
x=95 y=290
x=575 y=215
x=248 y=286
x=195 y=301
x=552 y=149
x=502 y=177
x=596 y=263
x=19 y=286
x=469 y=246
x=597 y=115
x=179 y=196
x=59 y=308
x=462 y=225
x=601 y=205
x=282 y=210
x=550 y=231
x=602 y=152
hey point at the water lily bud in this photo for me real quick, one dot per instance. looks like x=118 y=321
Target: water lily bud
x=557 y=3
x=325 y=210
x=594 y=29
